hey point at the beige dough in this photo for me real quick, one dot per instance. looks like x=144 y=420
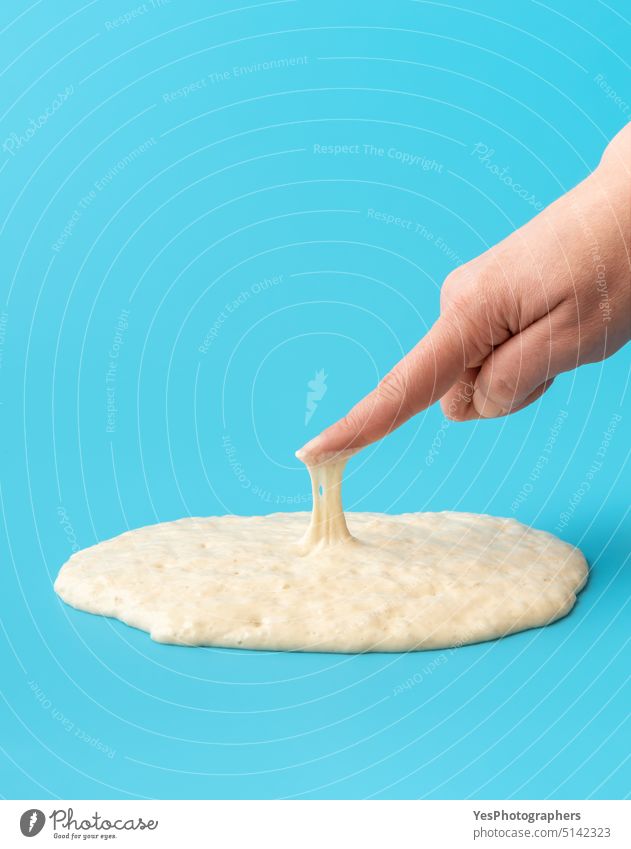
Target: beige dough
x=290 y=581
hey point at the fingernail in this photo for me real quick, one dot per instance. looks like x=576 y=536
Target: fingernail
x=309 y=449
x=485 y=408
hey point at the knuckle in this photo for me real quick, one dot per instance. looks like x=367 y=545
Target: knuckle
x=484 y=291
x=351 y=423
x=392 y=388
x=347 y=431
x=452 y=285
x=476 y=310
x=392 y=403
x=468 y=289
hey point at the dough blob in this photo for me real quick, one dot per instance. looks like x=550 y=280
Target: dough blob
x=315 y=583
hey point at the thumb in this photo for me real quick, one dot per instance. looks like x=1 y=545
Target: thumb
x=419 y=379
x=513 y=375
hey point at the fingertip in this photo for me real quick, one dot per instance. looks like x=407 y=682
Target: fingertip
x=324 y=449
x=309 y=449
x=486 y=408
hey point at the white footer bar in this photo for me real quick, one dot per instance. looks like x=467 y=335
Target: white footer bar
x=317 y=824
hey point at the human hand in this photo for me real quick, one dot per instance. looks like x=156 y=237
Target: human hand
x=553 y=295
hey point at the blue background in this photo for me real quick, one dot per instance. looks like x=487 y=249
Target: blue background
x=219 y=188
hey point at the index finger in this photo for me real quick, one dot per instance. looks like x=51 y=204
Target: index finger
x=417 y=381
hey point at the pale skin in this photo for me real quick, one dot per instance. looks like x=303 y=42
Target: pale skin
x=552 y=296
